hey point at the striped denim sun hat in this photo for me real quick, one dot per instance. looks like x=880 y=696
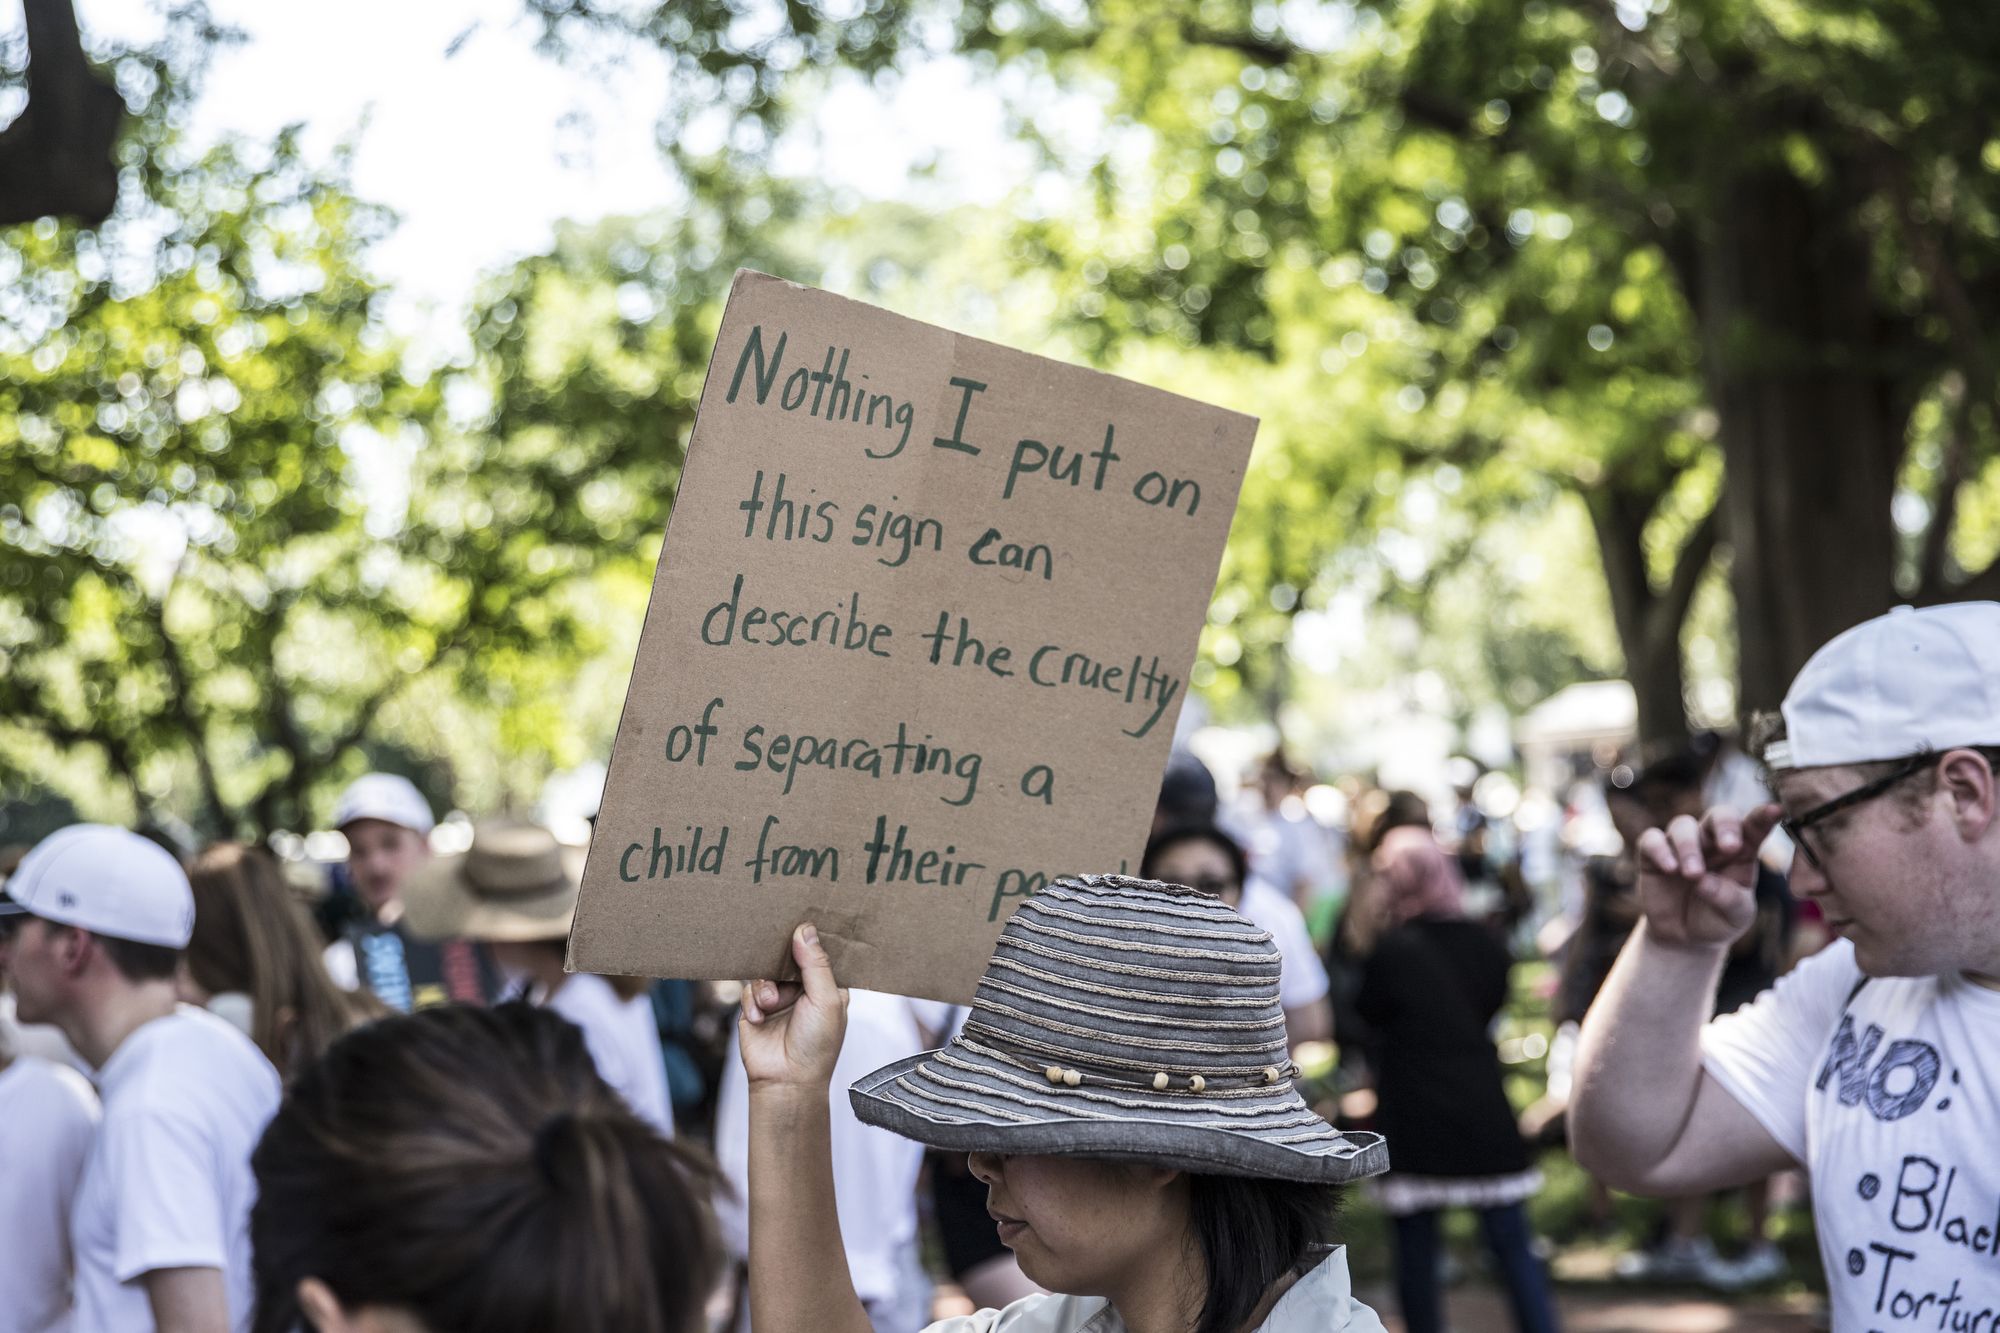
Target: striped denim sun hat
x=1128 y=1019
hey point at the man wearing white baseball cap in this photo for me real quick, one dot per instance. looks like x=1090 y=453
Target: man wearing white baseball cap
x=1872 y=1062
x=160 y=1226
x=387 y=823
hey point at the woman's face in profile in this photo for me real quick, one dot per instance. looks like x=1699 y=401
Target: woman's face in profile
x=1199 y=864
x=1077 y=1224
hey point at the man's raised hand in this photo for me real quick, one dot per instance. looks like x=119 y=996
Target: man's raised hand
x=1697 y=880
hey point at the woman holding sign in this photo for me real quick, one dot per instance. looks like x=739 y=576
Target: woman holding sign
x=1123 y=1091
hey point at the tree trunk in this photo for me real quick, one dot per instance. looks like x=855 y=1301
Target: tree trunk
x=1793 y=354
x=1648 y=621
x=1659 y=683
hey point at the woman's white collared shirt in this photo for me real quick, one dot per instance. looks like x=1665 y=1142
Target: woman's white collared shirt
x=1321 y=1301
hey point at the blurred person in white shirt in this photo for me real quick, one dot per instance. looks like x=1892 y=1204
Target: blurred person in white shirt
x=874 y=1171
x=1288 y=848
x=160 y=1222
x=1203 y=857
x=49 y=1113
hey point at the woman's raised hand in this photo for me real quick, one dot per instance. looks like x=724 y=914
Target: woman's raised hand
x=791 y=1031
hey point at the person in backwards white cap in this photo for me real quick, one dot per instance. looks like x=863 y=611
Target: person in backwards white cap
x=48 y=1115
x=1872 y=1063
x=97 y=919
x=387 y=824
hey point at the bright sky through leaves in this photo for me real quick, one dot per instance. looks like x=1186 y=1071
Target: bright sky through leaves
x=482 y=144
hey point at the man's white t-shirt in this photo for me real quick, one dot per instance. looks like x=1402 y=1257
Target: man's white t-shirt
x=1892 y=1101
x=1301 y=975
x=624 y=1043
x=168 y=1183
x=48 y=1113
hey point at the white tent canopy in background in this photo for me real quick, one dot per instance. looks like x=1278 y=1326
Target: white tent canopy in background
x=1594 y=717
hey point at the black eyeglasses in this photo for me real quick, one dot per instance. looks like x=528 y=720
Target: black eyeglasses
x=1795 y=829
x=1214 y=885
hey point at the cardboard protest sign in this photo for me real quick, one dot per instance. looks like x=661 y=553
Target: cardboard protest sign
x=919 y=636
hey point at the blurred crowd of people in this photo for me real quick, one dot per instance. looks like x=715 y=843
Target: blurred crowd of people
x=1397 y=931
x=236 y=1093
x=1418 y=917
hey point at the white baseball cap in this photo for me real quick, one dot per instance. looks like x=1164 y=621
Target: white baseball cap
x=1901 y=684
x=109 y=881
x=387 y=797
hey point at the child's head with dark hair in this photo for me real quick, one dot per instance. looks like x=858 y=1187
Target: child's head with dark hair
x=467 y=1169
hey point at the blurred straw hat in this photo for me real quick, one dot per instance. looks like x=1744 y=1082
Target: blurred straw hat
x=515 y=883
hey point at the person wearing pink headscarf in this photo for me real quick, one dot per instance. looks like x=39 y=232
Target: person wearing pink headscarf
x=1431 y=983
x=1418 y=878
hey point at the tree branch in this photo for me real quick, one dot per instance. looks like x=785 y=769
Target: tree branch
x=1981 y=587
x=1265 y=51
x=117 y=750
x=1931 y=251
x=192 y=724
x=1691 y=564
x=1933 y=255
x=1952 y=471
x=364 y=718
x=306 y=758
x=56 y=159
x=1618 y=525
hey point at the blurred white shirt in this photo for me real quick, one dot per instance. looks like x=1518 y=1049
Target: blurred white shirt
x=1302 y=976
x=874 y=1171
x=624 y=1042
x=48 y=1114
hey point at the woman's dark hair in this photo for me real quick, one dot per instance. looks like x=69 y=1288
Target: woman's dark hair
x=1165 y=841
x=1251 y=1233
x=468 y=1166
x=251 y=935
x=1187 y=792
x=1400 y=809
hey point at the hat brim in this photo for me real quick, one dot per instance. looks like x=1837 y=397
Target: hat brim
x=440 y=903
x=960 y=1099
x=8 y=907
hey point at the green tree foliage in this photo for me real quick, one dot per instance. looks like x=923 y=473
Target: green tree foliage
x=237 y=522
x=1601 y=248
x=187 y=571
x=243 y=528
x=576 y=405
x=251 y=543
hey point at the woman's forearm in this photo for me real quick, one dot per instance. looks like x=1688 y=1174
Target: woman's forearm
x=799 y=1281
